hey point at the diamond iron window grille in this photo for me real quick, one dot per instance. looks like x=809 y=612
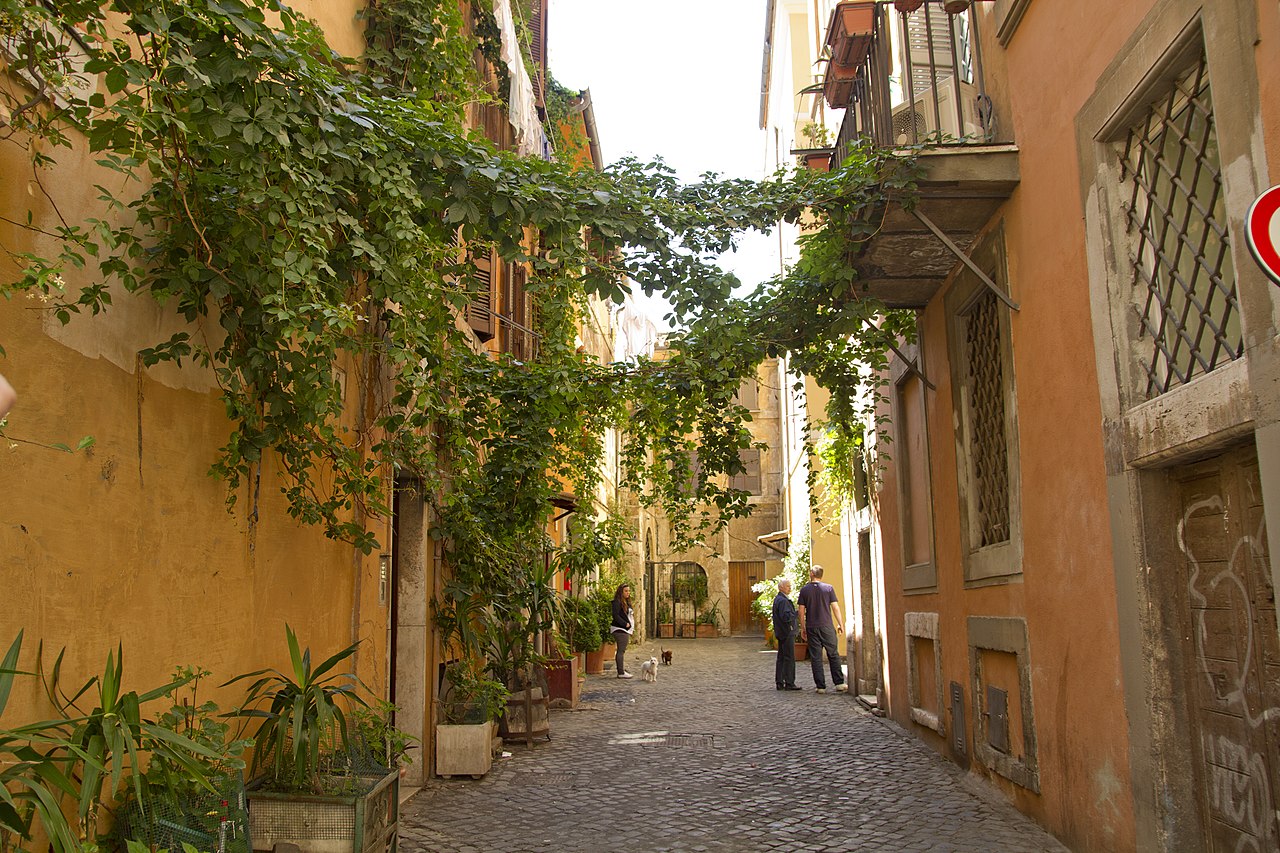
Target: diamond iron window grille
x=1176 y=217
x=988 y=442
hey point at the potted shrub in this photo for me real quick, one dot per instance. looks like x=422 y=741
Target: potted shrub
x=561 y=670
x=470 y=706
x=311 y=786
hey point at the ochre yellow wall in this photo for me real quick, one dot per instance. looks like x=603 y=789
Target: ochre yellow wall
x=132 y=542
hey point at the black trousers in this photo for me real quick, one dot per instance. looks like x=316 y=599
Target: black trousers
x=784 y=669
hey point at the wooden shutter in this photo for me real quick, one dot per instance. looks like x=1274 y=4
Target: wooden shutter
x=749 y=480
x=538 y=49
x=480 y=309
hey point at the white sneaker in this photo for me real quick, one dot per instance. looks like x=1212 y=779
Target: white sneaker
x=842 y=688
x=820 y=690
x=625 y=675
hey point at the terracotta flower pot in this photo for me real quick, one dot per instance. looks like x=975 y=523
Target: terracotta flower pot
x=907 y=5
x=817 y=162
x=850 y=31
x=837 y=85
x=955 y=7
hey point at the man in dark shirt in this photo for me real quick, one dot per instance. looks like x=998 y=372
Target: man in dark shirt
x=819 y=619
x=785 y=625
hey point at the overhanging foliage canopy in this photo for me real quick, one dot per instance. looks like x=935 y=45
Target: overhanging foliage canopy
x=303 y=212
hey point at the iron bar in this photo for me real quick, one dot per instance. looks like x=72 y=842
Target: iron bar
x=965 y=259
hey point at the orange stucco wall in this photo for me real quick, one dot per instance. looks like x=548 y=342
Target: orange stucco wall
x=132 y=542
x=1267 y=56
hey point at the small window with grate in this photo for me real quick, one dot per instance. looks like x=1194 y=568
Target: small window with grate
x=1179 y=248
x=986 y=438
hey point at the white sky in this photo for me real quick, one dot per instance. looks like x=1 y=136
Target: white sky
x=678 y=79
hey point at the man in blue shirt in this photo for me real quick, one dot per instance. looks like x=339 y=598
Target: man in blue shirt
x=819 y=619
x=784 y=628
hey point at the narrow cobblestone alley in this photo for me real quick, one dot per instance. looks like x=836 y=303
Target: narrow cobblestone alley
x=712 y=758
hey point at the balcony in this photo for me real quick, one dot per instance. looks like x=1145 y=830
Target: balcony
x=915 y=82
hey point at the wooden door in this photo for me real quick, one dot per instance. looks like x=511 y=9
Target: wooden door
x=1234 y=674
x=741 y=577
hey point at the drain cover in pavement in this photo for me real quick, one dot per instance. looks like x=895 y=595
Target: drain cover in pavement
x=669 y=739
x=608 y=696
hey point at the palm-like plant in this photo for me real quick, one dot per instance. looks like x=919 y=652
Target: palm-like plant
x=303 y=721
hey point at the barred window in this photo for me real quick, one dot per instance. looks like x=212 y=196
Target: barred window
x=1180 y=252
x=987 y=439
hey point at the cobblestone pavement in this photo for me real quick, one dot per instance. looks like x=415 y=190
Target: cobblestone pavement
x=712 y=758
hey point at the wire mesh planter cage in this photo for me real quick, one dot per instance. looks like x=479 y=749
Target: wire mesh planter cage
x=357 y=813
x=164 y=819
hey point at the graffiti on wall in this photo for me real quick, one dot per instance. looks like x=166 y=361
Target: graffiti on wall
x=1238 y=711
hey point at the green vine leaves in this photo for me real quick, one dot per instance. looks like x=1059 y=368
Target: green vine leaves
x=315 y=219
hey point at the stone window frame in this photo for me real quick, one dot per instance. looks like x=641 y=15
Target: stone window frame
x=1004 y=634
x=922 y=577
x=1001 y=562
x=1008 y=15
x=1201 y=414
x=924 y=626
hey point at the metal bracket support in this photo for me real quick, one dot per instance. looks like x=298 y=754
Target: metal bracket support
x=966 y=260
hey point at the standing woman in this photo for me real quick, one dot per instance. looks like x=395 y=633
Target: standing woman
x=622 y=627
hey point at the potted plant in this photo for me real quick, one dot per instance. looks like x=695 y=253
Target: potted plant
x=310 y=786
x=601 y=596
x=58 y=775
x=666 y=628
x=707 y=622
x=376 y=730
x=471 y=704
x=561 y=668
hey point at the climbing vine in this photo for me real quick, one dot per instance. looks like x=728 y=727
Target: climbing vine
x=315 y=220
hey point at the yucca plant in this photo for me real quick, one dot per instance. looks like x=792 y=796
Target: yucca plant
x=32 y=783
x=302 y=721
x=82 y=758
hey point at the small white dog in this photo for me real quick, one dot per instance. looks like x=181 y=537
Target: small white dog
x=649 y=669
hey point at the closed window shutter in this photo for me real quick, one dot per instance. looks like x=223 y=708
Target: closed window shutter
x=538 y=48
x=480 y=309
x=749 y=480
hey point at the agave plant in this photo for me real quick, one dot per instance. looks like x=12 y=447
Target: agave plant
x=302 y=717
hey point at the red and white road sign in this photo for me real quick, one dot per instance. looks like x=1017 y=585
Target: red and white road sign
x=1262 y=232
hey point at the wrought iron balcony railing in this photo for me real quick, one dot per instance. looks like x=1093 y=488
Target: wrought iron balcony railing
x=915 y=79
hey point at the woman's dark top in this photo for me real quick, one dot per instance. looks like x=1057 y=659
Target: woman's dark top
x=620 y=620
